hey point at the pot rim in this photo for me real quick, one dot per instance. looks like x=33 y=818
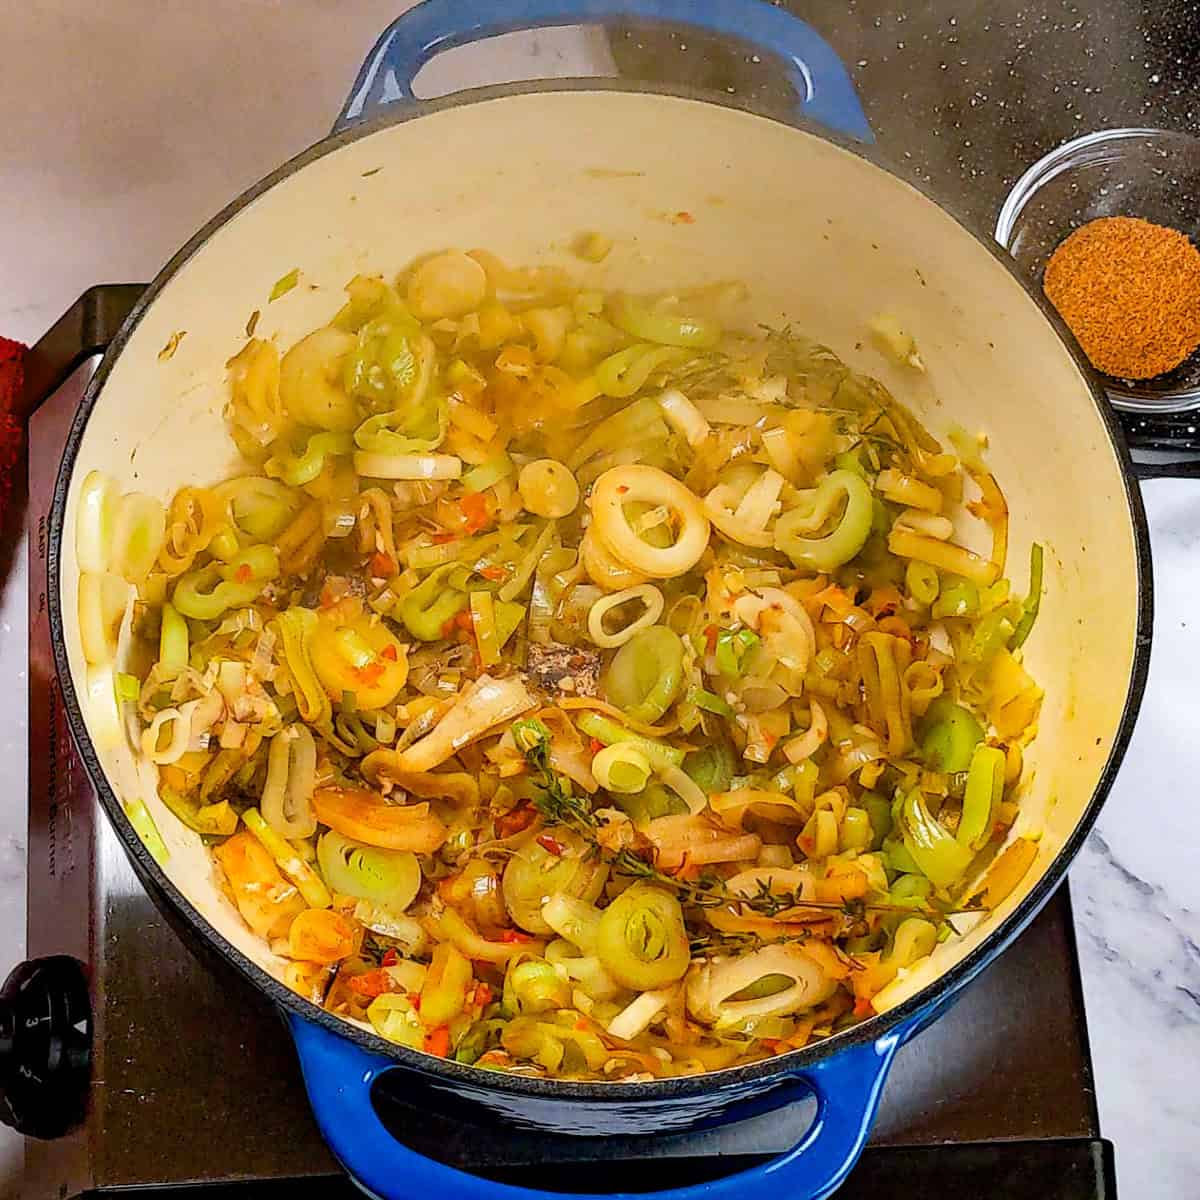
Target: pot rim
x=904 y=1018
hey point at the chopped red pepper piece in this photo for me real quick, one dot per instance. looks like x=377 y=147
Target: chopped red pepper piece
x=327 y=598
x=437 y=1042
x=483 y=995
x=550 y=844
x=243 y=574
x=372 y=983
x=863 y=1008
x=513 y=822
x=369 y=674
x=390 y=653
x=684 y=218
x=596 y=745
x=382 y=566
x=440 y=539
x=494 y=573
x=448 y=628
x=390 y=957
x=515 y=935
x=710 y=638
x=465 y=621
x=476 y=510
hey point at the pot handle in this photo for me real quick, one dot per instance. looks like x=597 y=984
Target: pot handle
x=339 y=1076
x=822 y=86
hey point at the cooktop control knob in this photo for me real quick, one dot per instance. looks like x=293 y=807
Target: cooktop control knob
x=45 y=1046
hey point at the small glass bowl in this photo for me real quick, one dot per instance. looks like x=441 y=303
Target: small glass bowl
x=1150 y=173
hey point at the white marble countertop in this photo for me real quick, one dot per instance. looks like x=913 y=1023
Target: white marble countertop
x=144 y=125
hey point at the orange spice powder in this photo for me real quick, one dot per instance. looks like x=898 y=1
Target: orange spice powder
x=1130 y=292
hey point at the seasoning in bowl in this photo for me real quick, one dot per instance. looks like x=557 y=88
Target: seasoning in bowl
x=1130 y=292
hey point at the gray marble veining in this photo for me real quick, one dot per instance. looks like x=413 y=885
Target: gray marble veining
x=1136 y=890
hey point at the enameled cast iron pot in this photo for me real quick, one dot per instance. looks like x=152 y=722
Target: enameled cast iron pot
x=825 y=237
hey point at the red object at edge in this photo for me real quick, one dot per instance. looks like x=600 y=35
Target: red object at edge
x=12 y=376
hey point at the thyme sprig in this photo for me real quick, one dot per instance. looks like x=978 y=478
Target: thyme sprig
x=708 y=890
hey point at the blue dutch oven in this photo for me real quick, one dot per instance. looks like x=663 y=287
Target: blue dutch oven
x=806 y=214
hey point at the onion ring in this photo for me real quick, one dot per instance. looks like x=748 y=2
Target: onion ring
x=619 y=486
x=602 y=568
x=716 y=508
x=647 y=593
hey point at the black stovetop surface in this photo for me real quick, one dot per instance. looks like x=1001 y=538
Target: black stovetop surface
x=965 y=96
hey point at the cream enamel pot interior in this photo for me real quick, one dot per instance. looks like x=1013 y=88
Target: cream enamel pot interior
x=825 y=238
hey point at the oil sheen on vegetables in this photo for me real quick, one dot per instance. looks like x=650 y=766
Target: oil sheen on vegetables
x=570 y=683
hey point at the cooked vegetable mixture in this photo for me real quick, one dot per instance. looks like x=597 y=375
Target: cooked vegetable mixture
x=570 y=685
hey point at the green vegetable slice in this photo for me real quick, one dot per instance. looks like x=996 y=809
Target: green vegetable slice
x=940 y=857
x=985 y=787
x=850 y=530
x=391 y=878
x=642 y=941
x=949 y=735
x=646 y=674
x=284 y=284
x=733 y=648
x=1033 y=601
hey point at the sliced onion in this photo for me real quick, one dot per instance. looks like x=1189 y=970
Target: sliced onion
x=761 y=500
x=138 y=535
x=927 y=523
x=684 y=417
x=697 y=841
x=209 y=709
x=905 y=489
x=647 y=593
x=95 y=519
x=778 y=807
x=636 y=1017
x=710 y=989
x=686 y=788
x=620 y=486
x=602 y=568
x=180 y=720
x=716 y=508
x=730 y=410
x=782 y=621
x=804 y=746
x=104 y=717
x=102 y=600
x=782 y=453
x=291 y=777
x=486 y=703
x=407 y=466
